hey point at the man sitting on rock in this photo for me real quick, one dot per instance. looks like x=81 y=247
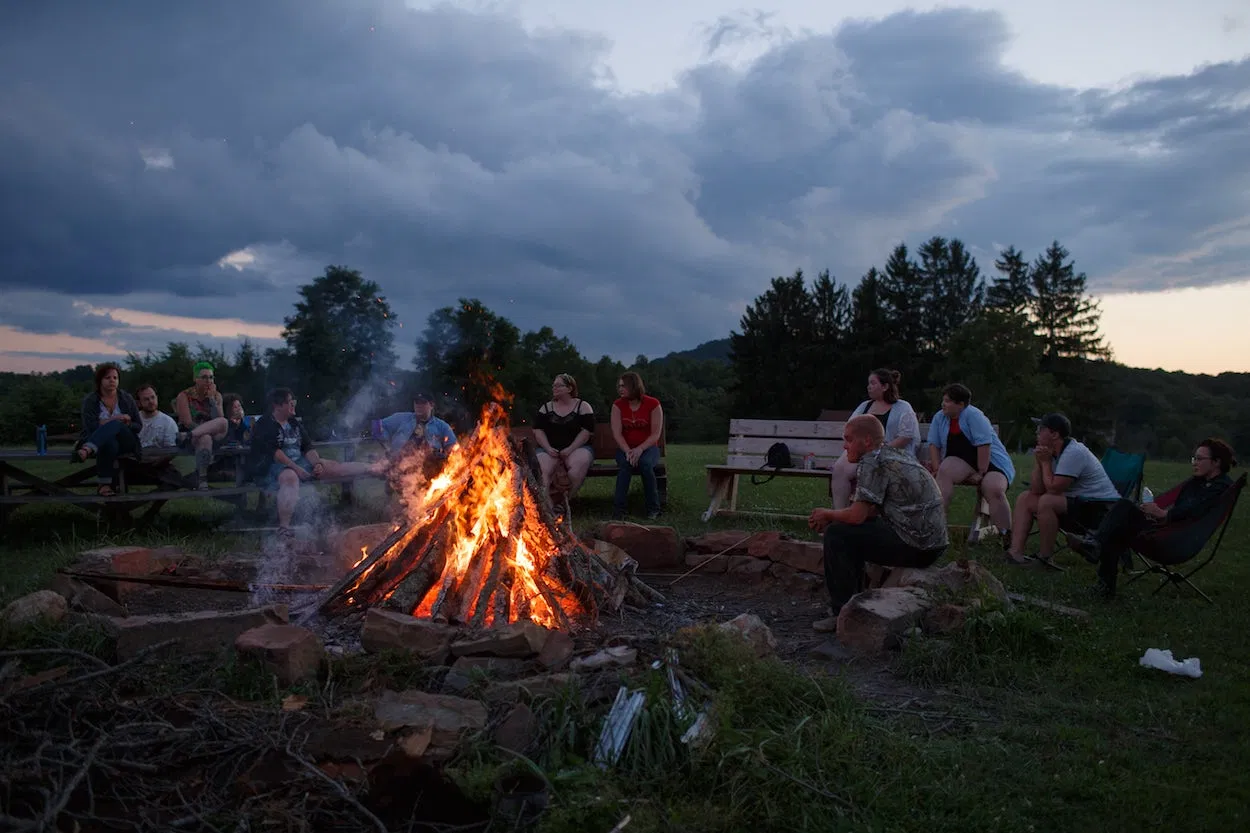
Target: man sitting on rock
x=895 y=518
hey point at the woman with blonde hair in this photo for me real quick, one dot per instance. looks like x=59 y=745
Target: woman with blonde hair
x=563 y=430
x=897 y=416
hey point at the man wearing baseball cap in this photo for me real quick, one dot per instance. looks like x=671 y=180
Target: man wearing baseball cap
x=1068 y=482
x=418 y=427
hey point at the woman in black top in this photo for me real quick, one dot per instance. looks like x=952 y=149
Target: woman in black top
x=563 y=430
x=110 y=427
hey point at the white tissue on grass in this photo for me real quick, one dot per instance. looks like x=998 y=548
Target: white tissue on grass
x=1163 y=660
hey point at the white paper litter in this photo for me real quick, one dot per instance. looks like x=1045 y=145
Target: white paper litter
x=1164 y=661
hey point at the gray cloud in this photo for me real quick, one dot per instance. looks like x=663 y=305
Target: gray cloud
x=448 y=154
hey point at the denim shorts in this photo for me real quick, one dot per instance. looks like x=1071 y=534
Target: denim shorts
x=269 y=481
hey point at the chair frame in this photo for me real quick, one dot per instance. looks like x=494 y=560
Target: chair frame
x=1177 y=577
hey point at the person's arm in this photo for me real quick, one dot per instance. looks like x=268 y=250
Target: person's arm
x=182 y=410
x=540 y=431
x=657 y=428
x=90 y=415
x=1053 y=484
x=1189 y=505
x=167 y=431
x=215 y=408
x=616 y=429
x=131 y=409
x=313 y=457
x=983 y=460
x=908 y=427
x=857 y=513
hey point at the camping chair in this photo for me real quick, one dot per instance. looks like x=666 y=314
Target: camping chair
x=1176 y=544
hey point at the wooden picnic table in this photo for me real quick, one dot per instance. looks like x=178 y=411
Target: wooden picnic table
x=159 y=480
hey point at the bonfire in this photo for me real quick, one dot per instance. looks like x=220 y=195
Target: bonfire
x=479 y=544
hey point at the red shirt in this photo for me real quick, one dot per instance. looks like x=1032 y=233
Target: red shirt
x=636 y=425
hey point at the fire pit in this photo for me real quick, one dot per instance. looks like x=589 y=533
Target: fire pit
x=479 y=545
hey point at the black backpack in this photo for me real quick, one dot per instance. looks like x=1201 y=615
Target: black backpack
x=778 y=458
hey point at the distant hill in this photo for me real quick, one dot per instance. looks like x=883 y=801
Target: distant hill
x=717 y=350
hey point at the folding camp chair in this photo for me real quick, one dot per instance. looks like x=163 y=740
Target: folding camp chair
x=1176 y=544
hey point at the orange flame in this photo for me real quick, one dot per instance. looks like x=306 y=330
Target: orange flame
x=479 y=496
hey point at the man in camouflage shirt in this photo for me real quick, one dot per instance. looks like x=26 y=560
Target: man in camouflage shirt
x=895 y=517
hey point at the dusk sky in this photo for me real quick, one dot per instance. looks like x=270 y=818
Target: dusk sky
x=630 y=173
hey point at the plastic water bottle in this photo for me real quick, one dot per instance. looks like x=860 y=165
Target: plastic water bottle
x=809 y=460
x=1147 y=496
x=41 y=440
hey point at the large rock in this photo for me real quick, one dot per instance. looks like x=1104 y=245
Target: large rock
x=958 y=579
x=944 y=618
x=875 y=620
x=82 y=596
x=806 y=556
x=651 y=546
x=724 y=542
x=764 y=544
x=518 y=728
x=795 y=581
x=557 y=651
x=40 y=606
x=521 y=639
x=292 y=653
x=347 y=546
x=208 y=630
x=130 y=561
x=751 y=629
x=447 y=717
x=748 y=568
x=390 y=630
x=707 y=562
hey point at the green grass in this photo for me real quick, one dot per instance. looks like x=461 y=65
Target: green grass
x=1038 y=722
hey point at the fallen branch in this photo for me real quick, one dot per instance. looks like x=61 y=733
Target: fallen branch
x=112 y=669
x=1042 y=604
x=67 y=652
x=338 y=787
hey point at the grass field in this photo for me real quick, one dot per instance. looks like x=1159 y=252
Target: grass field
x=1051 y=723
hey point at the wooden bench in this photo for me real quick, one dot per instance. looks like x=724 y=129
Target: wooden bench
x=749 y=441
x=157 y=481
x=605 y=448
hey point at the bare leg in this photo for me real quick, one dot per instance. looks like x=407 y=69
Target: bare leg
x=578 y=464
x=840 y=482
x=1022 y=522
x=951 y=473
x=288 y=496
x=1049 y=509
x=213 y=429
x=547 y=464
x=337 y=468
x=994 y=490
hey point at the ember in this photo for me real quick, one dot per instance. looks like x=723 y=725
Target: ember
x=480 y=545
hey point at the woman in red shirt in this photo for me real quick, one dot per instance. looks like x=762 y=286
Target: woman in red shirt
x=637 y=422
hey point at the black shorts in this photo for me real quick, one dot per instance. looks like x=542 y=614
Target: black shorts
x=1086 y=513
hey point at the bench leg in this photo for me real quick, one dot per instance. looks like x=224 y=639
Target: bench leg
x=981 y=520
x=719 y=485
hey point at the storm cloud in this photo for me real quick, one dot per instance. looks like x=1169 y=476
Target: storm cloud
x=206 y=159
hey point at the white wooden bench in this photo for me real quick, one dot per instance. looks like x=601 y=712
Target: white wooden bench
x=749 y=440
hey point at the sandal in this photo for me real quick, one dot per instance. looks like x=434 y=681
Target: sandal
x=1019 y=560
x=105 y=490
x=83 y=453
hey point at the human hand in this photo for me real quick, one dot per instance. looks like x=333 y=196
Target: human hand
x=632 y=456
x=932 y=467
x=1042 y=453
x=319 y=469
x=819 y=519
x=974 y=479
x=125 y=419
x=303 y=474
x=1153 y=510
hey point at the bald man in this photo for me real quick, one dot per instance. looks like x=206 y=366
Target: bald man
x=895 y=517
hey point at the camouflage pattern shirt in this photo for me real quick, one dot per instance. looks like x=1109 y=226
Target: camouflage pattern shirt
x=905 y=494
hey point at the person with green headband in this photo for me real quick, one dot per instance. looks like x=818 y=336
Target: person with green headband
x=201 y=419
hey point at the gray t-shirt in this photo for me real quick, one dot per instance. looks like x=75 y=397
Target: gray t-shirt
x=158 y=431
x=1089 y=479
x=906 y=496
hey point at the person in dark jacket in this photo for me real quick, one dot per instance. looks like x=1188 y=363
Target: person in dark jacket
x=282 y=456
x=1109 y=545
x=110 y=427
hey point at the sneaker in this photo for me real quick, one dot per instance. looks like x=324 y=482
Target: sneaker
x=829 y=625
x=651 y=516
x=1086 y=546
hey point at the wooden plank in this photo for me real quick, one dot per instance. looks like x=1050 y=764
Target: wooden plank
x=754 y=461
x=744 y=470
x=783 y=428
x=798 y=446
x=145 y=497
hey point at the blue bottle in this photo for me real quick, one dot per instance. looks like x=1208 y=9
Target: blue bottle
x=41 y=439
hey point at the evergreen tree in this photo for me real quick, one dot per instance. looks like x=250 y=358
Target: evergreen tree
x=1012 y=291
x=953 y=289
x=768 y=355
x=1066 y=317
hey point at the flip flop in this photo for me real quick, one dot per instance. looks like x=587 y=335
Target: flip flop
x=106 y=491
x=1019 y=560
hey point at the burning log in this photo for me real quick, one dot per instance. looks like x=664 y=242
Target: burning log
x=482 y=546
